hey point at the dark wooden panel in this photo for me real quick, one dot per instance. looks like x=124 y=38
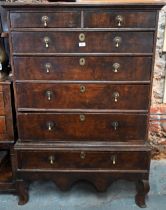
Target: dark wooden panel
x=95 y=68
x=2 y=125
x=125 y=19
x=1 y=104
x=64 y=19
x=6 y=127
x=74 y=160
x=86 y=126
x=95 y=42
x=96 y=96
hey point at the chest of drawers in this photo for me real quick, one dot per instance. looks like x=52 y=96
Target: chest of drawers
x=82 y=79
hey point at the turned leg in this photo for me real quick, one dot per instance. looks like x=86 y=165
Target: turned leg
x=22 y=192
x=142 y=187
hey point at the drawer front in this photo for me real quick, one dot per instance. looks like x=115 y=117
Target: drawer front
x=93 y=126
x=93 y=42
x=1 y=104
x=2 y=125
x=66 y=19
x=83 y=68
x=67 y=159
x=117 y=19
x=82 y=96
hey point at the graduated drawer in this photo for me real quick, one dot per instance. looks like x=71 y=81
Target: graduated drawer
x=82 y=96
x=61 y=19
x=2 y=125
x=92 y=42
x=117 y=19
x=82 y=126
x=80 y=159
x=83 y=68
x=1 y=103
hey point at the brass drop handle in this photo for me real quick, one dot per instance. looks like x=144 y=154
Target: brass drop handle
x=50 y=125
x=115 y=125
x=117 y=40
x=82 y=155
x=49 y=95
x=51 y=159
x=48 y=67
x=116 y=96
x=81 y=37
x=114 y=159
x=46 y=41
x=45 y=19
x=82 y=61
x=116 y=67
x=82 y=117
x=82 y=89
x=119 y=19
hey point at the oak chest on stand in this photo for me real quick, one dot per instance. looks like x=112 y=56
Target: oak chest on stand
x=82 y=78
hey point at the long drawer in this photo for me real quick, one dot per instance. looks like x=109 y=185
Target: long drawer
x=62 y=19
x=86 y=127
x=83 y=68
x=125 y=19
x=82 y=96
x=79 y=159
x=82 y=42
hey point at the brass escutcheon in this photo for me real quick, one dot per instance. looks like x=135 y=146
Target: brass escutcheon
x=82 y=117
x=82 y=89
x=82 y=61
x=82 y=37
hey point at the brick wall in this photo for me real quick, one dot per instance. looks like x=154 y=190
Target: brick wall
x=157 y=133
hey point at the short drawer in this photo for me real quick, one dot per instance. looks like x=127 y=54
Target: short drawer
x=83 y=68
x=1 y=104
x=82 y=42
x=118 y=19
x=82 y=96
x=65 y=19
x=82 y=126
x=78 y=160
x=2 y=125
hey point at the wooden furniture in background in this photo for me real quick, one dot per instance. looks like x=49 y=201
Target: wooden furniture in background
x=6 y=137
x=6 y=116
x=83 y=78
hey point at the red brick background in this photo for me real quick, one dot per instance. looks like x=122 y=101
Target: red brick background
x=157 y=130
